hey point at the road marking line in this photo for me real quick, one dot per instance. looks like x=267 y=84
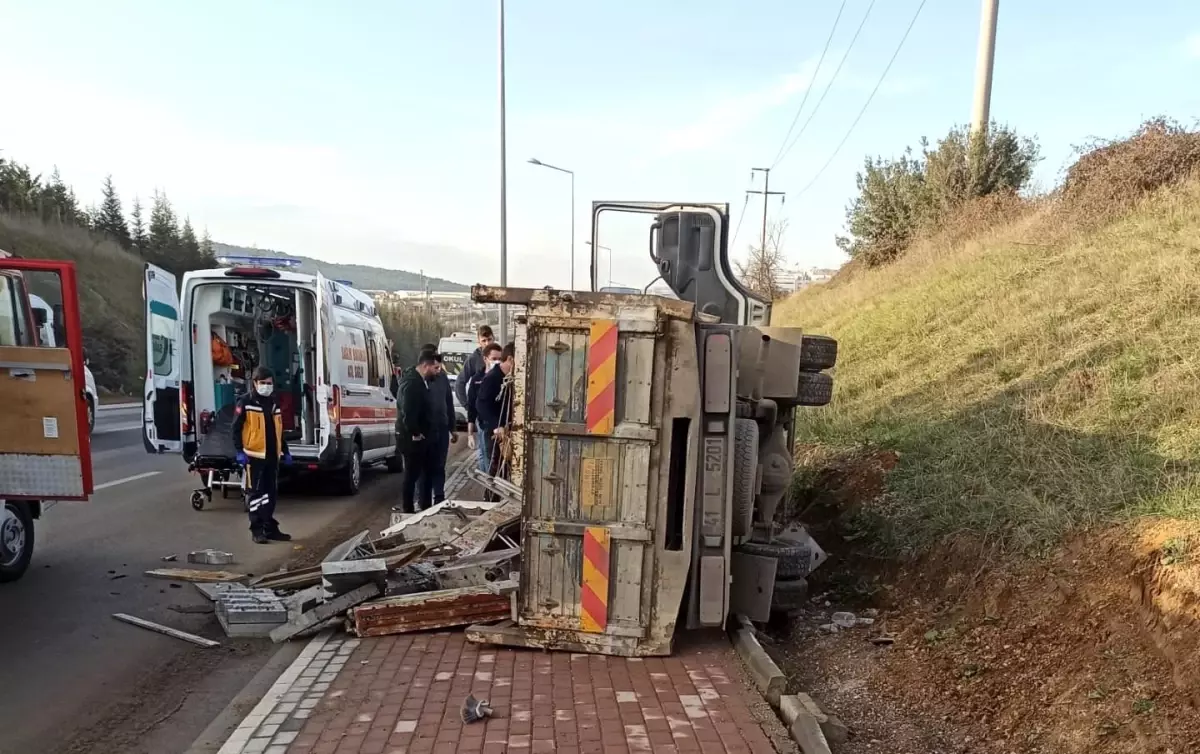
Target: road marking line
x=133 y=478
x=119 y=428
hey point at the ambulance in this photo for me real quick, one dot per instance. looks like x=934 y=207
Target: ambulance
x=322 y=339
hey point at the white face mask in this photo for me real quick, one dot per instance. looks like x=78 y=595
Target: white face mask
x=264 y=388
x=491 y=364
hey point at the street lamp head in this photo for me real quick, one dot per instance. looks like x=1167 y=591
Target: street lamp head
x=534 y=161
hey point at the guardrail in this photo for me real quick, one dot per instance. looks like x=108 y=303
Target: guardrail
x=116 y=408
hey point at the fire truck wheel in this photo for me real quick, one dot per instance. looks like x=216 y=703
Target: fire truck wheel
x=818 y=352
x=791 y=560
x=789 y=595
x=745 y=469
x=16 y=540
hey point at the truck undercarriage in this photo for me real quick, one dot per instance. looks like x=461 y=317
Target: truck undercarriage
x=653 y=448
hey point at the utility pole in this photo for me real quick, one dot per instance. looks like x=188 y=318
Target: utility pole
x=503 y=190
x=767 y=193
x=982 y=110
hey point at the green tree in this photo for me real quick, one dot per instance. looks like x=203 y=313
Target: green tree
x=189 y=246
x=58 y=200
x=899 y=198
x=206 y=248
x=890 y=205
x=162 y=246
x=408 y=328
x=137 y=227
x=111 y=218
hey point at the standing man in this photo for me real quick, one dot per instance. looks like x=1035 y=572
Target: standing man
x=493 y=405
x=413 y=430
x=477 y=440
x=441 y=425
x=474 y=366
x=258 y=439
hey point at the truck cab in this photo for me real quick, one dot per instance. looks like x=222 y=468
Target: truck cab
x=653 y=448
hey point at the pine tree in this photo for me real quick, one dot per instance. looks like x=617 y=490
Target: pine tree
x=189 y=247
x=206 y=248
x=111 y=220
x=137 y=227
x=163 y=243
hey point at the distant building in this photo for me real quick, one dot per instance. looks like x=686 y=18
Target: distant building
x=792 y=279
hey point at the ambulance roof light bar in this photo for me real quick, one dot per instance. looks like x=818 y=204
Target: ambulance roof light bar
x=236 y=260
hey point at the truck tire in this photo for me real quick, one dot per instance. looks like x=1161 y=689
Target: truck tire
x=817 y=353
x=745 y=473
x=789 y=595
x=791 y=560
x=16 y=542
x=816 y=389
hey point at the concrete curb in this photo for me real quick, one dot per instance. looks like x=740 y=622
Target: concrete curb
x=808 y=725
x=227 y=720
x=767 y=676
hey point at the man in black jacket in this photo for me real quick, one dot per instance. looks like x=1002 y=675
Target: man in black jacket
x=493 y=406
x=474 y=366
x=441 y=425
x=414 y=427
x=476 y=439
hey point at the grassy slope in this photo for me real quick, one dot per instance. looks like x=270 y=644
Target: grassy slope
x=1030 y=389
x=110 y=294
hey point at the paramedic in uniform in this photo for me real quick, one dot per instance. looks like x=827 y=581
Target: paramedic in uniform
x=258 y=438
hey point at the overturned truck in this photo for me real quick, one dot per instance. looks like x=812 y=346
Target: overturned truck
x=652 y=449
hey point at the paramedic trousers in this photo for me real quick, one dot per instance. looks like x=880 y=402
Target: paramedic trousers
x=262 y=478
x=417 y=492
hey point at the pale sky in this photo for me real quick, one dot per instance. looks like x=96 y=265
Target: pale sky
x=367 y=131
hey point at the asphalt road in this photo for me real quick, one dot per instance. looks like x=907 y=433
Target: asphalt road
x=73 y=679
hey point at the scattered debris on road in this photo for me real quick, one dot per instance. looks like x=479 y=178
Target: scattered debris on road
x=475 y=710
x=165 y=630
x=195 y=575
x=210 y=557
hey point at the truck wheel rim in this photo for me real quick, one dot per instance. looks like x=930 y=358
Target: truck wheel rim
x=356 y=469
x=12 y=538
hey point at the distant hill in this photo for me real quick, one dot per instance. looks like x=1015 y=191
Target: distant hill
x=360 y=275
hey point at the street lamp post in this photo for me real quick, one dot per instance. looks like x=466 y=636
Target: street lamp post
x=539 y=163
x=503 y=190
x=610 y=255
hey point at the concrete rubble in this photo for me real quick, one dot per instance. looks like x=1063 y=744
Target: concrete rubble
x=454 y=564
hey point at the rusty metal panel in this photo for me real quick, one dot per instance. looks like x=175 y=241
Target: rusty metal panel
x=420 y=612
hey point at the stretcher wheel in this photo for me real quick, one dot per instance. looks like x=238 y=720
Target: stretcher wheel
x=198 y=500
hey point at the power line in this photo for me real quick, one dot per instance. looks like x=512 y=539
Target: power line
x=767 y=193
x=733 y=243
x=809 y=87
x=828 y=85
x=866 y=104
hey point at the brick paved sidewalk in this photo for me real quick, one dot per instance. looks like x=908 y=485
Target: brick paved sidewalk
x=403 y=695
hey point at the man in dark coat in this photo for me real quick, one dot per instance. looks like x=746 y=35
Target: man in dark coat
x=441 y=427
x=474 y=365
x=493 y=405
x=414 y=427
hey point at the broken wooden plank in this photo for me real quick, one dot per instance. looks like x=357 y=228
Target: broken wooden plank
x=323 y=612
x=311 y=576
x=420 y=612
x=195 y=575
x=165 y=630
x=342 y=551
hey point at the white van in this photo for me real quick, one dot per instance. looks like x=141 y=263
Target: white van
x=455 y=349
x=322 y=339
x=48 y=322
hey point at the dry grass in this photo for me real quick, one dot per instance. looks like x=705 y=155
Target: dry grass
x=110 y=293
x=1034 y=382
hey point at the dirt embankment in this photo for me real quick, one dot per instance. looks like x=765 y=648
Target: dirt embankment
x=1095 y=648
